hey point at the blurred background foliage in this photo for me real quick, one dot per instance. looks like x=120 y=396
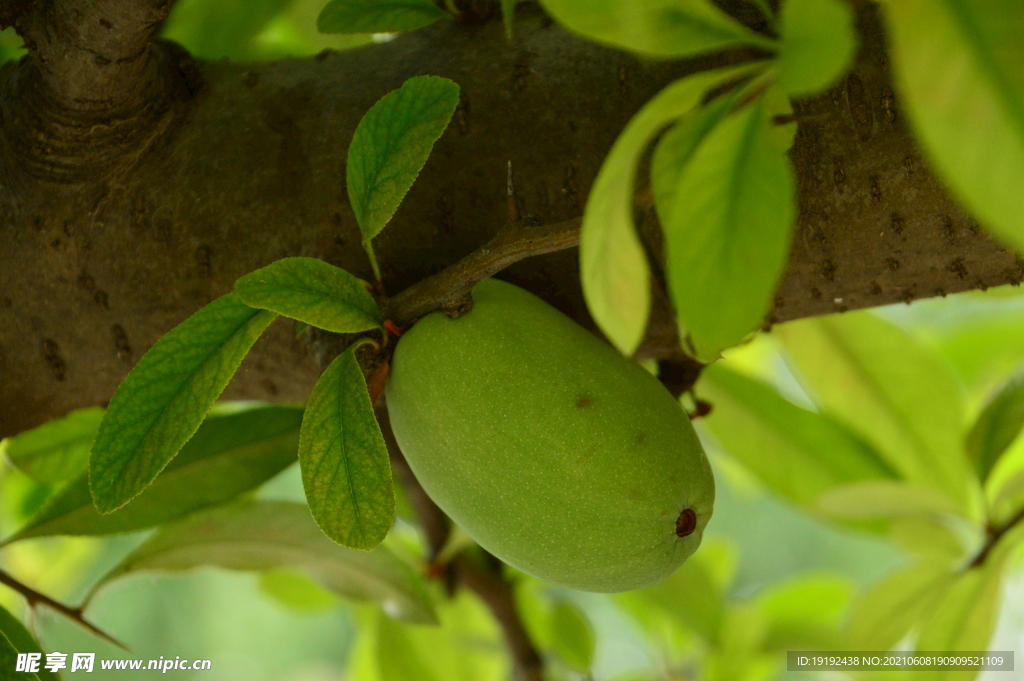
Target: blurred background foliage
x=769 y=577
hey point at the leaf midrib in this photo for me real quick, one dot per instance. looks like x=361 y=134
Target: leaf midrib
x=161 y=412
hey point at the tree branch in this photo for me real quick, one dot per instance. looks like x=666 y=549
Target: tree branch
x=94 y=55
x=35 y=598
x=108 y=240
x=994 y=536
x=450 y=288
x=487 y=582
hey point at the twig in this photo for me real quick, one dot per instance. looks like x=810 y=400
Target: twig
x=486 y=581
x=34 y=598
x=995 y=534
x=435 y=524
x=449 y=288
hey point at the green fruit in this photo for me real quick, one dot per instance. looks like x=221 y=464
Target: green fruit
x=555 y=453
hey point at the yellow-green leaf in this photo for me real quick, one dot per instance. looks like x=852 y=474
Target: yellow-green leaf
x=661 y=28
x=377 y=16
x=390 y=147
x=728 y=234
x=58 y=450
x=818 y=44
x=229 y=454
x=164 y=399
x=311 y=291
x=891 y=390
x=958 y=69
x=614 y=271
x=270 y=535
x=345 y=467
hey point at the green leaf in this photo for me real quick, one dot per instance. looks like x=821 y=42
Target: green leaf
x=613 y=266
x=931 y=537
x=466 y=647
x=727 y=244
x=798 y=453
x=311 y=291
x=222 y=28
x=978 y=351
x=675 y=149
x=893 y=392
x=508 y=17
x=965 y=618
x=889 y=609
x=390 y=147
x=818 y=44
x=884 y=499
x=297 y=591
x=57 y=450
x=9 y=663
x=1009 y=500
x=345 y=467
x=268 y=535
x=690 y=595
x=14 y=639
x=161 y=403
x=805 y=612
x=229 y=454
x=957 y=67
x=377 y=16
x=659 y=28
x=572 y=636
x=997 y=427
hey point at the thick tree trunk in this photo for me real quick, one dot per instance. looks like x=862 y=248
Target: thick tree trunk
x=138 y=184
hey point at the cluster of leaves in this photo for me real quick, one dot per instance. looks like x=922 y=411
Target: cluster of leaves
x=697 y=628
x=163 y=401
x=158 y=457
x=722 y=184
x=889 y=449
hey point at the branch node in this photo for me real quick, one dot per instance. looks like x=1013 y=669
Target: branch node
x=458 y=307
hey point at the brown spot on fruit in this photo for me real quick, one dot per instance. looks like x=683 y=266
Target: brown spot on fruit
x=686 y=523
x=583 y=401
x=587 y=456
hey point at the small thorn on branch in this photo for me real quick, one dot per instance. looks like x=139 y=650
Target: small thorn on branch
x=513 y=202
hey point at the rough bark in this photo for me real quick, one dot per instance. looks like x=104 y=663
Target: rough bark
x=138 y=184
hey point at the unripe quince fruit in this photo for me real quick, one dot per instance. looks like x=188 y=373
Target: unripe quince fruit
x=555 y=453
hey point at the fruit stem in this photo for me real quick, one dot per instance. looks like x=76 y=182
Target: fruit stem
x=452 y=284
x=484 y=578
